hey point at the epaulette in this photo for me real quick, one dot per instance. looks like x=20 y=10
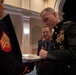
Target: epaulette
x=67 y=22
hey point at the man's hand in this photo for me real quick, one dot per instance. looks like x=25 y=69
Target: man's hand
x=43 y=53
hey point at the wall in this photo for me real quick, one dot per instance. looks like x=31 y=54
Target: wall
x=25 y=19
x=17 y=3
x=35 y=5
x=36 y=32
x=51 y=3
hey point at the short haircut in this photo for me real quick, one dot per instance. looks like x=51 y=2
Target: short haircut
x=47 y=27
x=48 y=9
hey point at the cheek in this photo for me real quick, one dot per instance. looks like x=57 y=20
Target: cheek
x=1 y=14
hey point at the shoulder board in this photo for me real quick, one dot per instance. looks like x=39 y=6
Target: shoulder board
x=67 y=22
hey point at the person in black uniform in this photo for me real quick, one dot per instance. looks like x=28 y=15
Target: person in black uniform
x=64 y=43
x=10 y=62
x=43 y=66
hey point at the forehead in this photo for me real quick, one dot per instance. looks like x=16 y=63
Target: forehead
x=45 y=14
x=45 y=29
x=1 y=0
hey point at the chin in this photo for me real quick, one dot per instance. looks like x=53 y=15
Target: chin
x=47 y=38
x=1 y=16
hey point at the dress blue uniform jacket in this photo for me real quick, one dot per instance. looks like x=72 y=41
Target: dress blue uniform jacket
x=10 y=53
x=64 y=45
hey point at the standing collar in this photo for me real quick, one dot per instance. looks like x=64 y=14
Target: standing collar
x=59 y=24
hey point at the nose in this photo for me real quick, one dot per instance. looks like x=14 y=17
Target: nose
x=45 y=23
x=4 y=8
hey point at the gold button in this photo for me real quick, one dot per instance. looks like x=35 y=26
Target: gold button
x=56 y=27
x=55 y=32
x=60 y=42
x=54 y=47
x=28 y=70
x=68 y=66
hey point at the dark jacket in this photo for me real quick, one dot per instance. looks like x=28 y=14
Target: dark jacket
x=44 y=66
x=64 y=45
x=10 y=53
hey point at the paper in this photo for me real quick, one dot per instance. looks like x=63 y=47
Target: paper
x=30 y=58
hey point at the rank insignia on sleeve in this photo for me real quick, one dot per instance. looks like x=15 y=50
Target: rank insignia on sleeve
x=5 y=42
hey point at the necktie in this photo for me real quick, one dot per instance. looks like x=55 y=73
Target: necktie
x=45 y=64
x=47 y=46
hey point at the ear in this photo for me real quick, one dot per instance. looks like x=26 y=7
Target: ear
x=55 y=15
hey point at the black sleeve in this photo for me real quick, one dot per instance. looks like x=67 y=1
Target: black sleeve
x=70 y=53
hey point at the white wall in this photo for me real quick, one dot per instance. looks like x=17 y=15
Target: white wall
x=51 y=3
x=17 y=3
x=21 y=19
x=35 y=5
x=27 y=17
